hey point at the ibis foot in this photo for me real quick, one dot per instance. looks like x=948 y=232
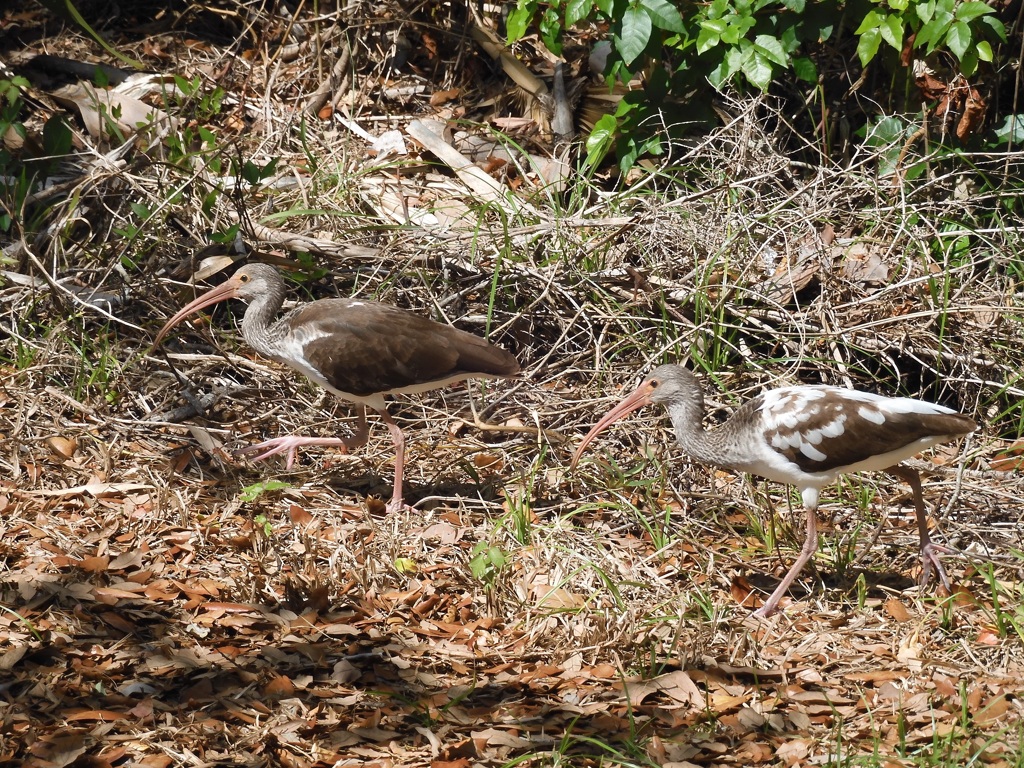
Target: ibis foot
x=930 y=552
x=290 y=444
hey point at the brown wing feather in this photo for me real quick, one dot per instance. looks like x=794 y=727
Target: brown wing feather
x=369 y=348
x=861 y=439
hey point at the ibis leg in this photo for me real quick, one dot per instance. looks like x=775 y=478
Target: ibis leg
x=291 y=443
x=930 y=551
x=807 y=551
x=396 y=503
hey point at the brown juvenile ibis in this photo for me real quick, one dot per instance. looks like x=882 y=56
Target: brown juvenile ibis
x=359 y=350
x=804 y=436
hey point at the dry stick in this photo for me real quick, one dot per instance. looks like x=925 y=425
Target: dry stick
x=339 y=79
x=484 y=426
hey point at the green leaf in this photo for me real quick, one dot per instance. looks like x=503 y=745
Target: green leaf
x=707 y=39
x=972 y=10
x=929 y=35
x=635 y=34
x=1012 y=130
x=797 y=6
x=958 y=39
x=885 y=132
x=717 y=26
x=600 y=140
x=663 y=15
x=872 y=20
x=607 y=7
x=925 y=11
x=405 y=565
x=757 y=69
x=892 y=31
x=771 y=48
x=943 y=16
x=899 y=5
x=888 y=136
x=718 y=9
x=253 y=492
x=867 y=46
x=727 y=69
x=577 y=10
x=519 y=20
x=969 y=63
x=791 y=39
x=732 y=34
x=995 y=25
x=720 y=74
x=551 y=31
x=264 y=523
x=984 y=51
x=56 y=137
x=805 y=70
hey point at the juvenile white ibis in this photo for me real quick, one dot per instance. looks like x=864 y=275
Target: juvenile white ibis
x=359 y=350
x=804 y=436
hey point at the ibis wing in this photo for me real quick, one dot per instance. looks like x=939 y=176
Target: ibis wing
x=365 y=348
x=842 y=428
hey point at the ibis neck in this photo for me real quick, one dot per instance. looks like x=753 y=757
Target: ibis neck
x=719 y=446
x=258 y=327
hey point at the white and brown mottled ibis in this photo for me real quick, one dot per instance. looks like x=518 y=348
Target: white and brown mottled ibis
x=804 y=436
x=359 y=350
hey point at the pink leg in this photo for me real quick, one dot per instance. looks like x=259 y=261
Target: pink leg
x=291 y=443
x=930 y=551
x=807 y=551
x=396 y=503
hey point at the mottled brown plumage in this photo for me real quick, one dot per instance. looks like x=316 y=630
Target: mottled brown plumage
x=359 y=350
x=804 y=436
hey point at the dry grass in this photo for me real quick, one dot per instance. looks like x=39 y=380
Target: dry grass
x=303 y=627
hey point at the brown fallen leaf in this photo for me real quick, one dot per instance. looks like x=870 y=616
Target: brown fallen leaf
x=299 y=516
x=897 y=609
x=794 y=751
x=995 y=708
x=59 y=749
x=677 y=685
x=743 y=593
x=1010 y=459
x=987 y=636
x=100 y=109
x=93 y=564
x=62 y=447
x=278 y=687
x=437 y=98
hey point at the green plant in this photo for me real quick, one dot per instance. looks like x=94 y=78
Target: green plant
x=965 y=29
x=1006 y=618
x=743 y=44
x=252 y=492
x=263 y=524
x=99 y=363
x=28 y=624
x=487 y=561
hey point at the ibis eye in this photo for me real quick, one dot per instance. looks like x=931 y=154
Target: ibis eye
x=243 y=279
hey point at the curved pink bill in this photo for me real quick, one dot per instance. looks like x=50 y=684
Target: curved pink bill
x=226 y=290
x=640 y=397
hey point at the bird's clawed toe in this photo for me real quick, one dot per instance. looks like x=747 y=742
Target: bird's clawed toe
x=930 y=552
x=290 y=444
